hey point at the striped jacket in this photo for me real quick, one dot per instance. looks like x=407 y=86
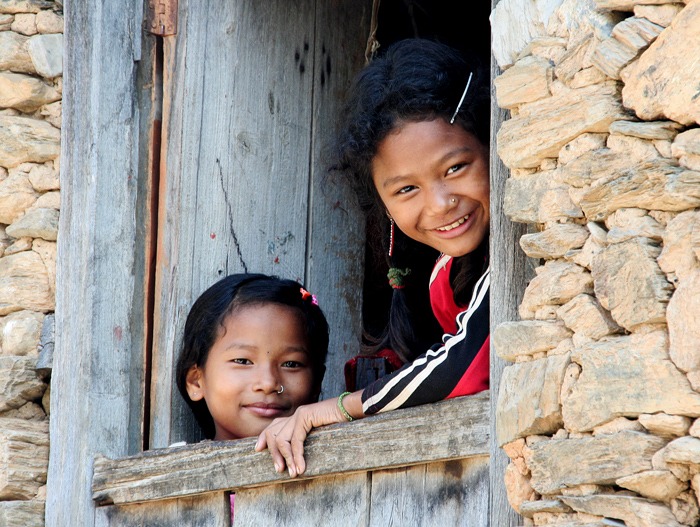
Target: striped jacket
x=459 y=365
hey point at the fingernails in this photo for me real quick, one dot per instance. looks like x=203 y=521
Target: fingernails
x=278 y=467
x=292 y=472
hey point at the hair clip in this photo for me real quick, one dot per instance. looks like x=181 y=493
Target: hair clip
x=305 y=295
x=454 y=115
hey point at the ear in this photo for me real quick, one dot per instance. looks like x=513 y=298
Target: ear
x=194 y=384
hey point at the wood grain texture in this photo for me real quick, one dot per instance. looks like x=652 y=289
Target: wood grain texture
x=341 y=501
x=245 y=113
x=451 y=493
x=335 y=252
x=453 y=429
x=208 y=510
x=97 y=384
x=509 y=277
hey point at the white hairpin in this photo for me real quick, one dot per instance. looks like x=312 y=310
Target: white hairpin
x=469 y=80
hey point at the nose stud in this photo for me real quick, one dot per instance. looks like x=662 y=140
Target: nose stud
x=281 y=389
x=453 y=200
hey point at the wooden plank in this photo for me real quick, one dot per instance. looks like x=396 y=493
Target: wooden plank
x=341 y=501
x=510 y=274
x=236 y=192
x=97 y=392
x=335 y=260
x=451 y=493
x=207 y=510
x=453 y=429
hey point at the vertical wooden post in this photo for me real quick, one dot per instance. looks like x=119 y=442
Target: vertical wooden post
x=509 y=277
x=97 y=384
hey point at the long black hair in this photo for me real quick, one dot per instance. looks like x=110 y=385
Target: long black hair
x=209 y=312
x=414 y=80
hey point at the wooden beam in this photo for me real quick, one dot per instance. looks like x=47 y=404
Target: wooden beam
x=453 y=429
x=509 y=277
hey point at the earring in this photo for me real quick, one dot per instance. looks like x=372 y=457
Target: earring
x=391 y=236
x=281 y=389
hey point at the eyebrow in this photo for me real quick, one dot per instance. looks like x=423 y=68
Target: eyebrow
x=242 y=345
x=390 y=181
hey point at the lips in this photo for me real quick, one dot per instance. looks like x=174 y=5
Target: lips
x=266 y=410
x=454 y=225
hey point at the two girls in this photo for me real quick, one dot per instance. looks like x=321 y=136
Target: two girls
x=414 y=146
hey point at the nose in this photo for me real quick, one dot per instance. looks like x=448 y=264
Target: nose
x=440 y=199
x=266 y=379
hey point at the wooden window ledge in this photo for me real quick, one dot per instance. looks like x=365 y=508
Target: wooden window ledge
x=453 y=429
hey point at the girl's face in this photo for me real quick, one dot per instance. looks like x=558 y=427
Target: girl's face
x=433 y=178
x=260 y=348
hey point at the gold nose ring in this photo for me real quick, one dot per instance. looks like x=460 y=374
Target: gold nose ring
x=281 y=389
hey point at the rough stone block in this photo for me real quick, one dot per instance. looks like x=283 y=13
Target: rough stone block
x=611 y=55
x=635 y=512
x=24 y=23
x=36 y=223
x=18 y=382
x=556 y=283
x=543 y=127
x=683 y=323
x=662 y=15
x=22 y=513
x=555 y=241
x=659 y=485
x=23 y=139
x=625 y=377
x=14 y=55
x=663 y=82
x=24 y=6
x=647 y=129
x=636 y=33
x=654 y=184
x=562 y=463
x=24 y=284
x=579 y=146
x=681 y=249
x=526 y=81
x=25 y=93
x=585 y=316
x=16 y=195
x=538 y=198
x=527 y=337
x=24 y=455
x=625 y=224
x=630 y=284
x=46 y=52
x=665 y=425
x=19 y=333
x=528 y=399
x=49 y=22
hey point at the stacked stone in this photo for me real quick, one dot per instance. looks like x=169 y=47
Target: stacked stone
x=31 y=51
x=599 y=410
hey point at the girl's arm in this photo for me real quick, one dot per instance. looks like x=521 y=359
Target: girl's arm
x=460 y=366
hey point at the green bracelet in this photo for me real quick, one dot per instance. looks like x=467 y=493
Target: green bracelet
x=342 y=408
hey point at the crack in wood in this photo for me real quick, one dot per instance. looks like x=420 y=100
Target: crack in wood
x=229 y=211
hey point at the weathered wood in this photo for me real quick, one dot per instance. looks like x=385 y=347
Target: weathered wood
x=335 y=259
x=97 y=375
x=509 y=277
x=453 y=429
x=242 y=122
x=335 y=500
x=208 y=510
x=451 y=493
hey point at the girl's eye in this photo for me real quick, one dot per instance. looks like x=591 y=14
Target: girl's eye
x=241 y=361
x=292 y=364
x=455 y=168
x=405 y=190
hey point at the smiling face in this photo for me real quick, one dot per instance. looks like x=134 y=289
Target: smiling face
x=260 y=348
x=433 y=179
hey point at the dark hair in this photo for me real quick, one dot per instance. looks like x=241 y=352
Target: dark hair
x=414 y=80
x=210 y=310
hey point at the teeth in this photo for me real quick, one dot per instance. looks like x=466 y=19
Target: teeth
x=454 y=225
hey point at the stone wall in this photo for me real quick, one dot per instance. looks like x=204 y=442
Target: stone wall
x=599 y=409
x=31 y=51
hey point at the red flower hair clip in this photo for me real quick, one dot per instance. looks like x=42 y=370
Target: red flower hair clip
x=305 y=295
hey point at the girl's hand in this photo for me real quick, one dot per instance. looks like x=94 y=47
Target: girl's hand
x=285 y=436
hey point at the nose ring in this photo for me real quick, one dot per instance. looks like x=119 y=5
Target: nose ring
x=281 y=389
x=453 y=200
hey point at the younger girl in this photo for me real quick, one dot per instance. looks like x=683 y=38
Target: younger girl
x=254 y=348
x=414 y=145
